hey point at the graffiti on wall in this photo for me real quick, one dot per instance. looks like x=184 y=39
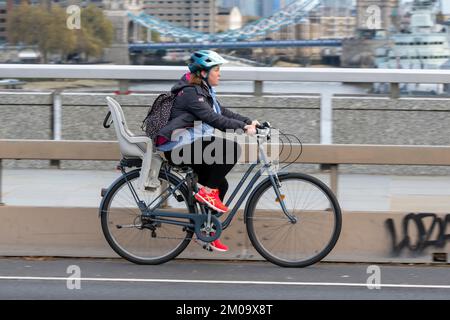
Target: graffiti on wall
x=419 y=231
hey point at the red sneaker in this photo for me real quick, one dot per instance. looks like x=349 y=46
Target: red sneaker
x=216 y=245
x=211 y=199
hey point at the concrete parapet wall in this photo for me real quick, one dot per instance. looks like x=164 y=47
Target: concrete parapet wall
x=405 y=121
x=366 y=236
x=356 y=119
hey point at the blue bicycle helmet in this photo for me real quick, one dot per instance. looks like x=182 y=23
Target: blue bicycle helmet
x=205 y=60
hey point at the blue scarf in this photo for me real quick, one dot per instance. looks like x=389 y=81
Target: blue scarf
x=216 y=105
x=207 y=129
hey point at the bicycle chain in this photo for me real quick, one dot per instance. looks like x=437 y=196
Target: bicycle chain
x=171 y=238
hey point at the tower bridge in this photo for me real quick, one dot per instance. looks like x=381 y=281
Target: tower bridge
x=131 y=22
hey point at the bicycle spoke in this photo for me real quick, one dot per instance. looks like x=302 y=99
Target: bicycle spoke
x=281 y=236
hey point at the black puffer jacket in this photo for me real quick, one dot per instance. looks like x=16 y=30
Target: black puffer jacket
x=194 y=103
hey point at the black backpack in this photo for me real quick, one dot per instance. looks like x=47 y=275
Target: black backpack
x=158 y=115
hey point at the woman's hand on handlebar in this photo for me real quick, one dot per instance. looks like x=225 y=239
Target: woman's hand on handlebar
x=255 y=123
x=250 y=129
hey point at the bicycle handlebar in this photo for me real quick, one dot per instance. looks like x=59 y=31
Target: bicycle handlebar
x=264 y=125
x=263 y=130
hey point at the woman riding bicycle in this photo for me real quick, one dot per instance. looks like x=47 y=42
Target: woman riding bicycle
x=194 y=116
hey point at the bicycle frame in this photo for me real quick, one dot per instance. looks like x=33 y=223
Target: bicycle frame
x=266 y=166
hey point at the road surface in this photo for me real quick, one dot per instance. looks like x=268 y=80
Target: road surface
x=74 y=279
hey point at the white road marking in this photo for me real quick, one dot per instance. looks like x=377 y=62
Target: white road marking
x=330 y=284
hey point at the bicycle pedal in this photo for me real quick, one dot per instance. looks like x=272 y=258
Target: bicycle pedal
x=207 y=247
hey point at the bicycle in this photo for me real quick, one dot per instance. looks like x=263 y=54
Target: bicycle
x=155 y=227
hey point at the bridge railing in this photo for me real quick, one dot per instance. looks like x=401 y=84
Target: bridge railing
x=124 y=74
x=332 y=155
x=230 y=73
x=257 y=75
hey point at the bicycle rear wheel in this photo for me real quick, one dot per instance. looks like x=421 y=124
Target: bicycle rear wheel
x=300 y=243
x=129 y=233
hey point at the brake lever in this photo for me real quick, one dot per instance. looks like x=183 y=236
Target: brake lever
x=264 y=125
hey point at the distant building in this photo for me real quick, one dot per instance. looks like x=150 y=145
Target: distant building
x=335 y=22
x=198 y=15
x=228 y=3
x=376 y=19
x=82 y=3
x=265 y=8
x=62 y=3
x=338 y=3
x=228 y=19
x=444 y=13
x=246 y=7
x=260 y=8
x=367 y=12
x=269 y=7
x=3 y=23
x=249 y=7
x=125 y=30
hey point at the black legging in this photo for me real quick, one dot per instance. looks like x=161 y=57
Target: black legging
x=211 y=171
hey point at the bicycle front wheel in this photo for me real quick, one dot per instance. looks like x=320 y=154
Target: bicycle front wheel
x=126 y=229
x=310 y=231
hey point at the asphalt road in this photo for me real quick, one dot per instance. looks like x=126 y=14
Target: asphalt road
x=105 y=279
